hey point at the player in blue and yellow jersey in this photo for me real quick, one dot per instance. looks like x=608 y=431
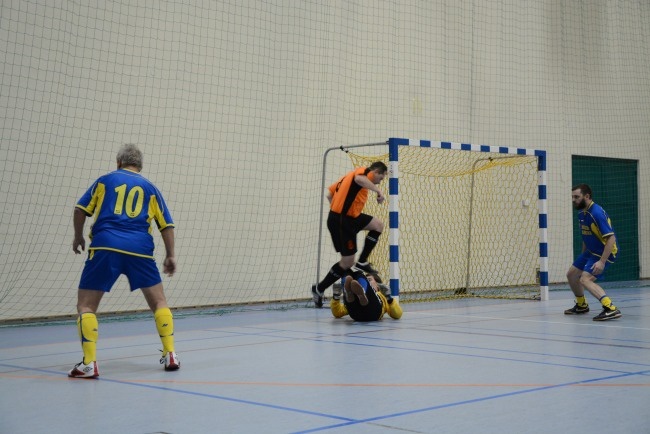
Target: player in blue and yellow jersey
x=347 y=198
x=599 y=251
x=124 y=204
x=364 y=299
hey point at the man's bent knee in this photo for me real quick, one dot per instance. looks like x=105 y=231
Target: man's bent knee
x=375 y=225
x=347 y=262
x=586 y=278
x=573 y=273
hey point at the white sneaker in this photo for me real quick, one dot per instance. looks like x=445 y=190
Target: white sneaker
x=91 y=370
x=171 y=361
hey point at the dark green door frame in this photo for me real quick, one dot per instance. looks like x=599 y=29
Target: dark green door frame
x=614 y=183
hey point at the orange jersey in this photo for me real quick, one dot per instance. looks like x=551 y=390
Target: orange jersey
x=348 y=197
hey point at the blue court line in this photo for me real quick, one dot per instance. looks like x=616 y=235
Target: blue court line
x=330 y=339
x=500 y=350
x=348 y=421
x=472 y=330
x=185 y=392
x=468 y=330
x=450 y=353
x=469 y=401
x=327 y=339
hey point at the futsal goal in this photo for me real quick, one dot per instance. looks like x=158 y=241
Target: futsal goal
x=462 y=220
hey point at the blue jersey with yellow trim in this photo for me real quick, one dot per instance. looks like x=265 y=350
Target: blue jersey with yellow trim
x=596 y=226
x=124 y=203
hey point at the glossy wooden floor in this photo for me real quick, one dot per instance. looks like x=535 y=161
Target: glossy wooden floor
x=468 y=366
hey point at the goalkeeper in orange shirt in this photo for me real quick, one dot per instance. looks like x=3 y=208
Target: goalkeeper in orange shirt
x=347 y=198
x=363 y=299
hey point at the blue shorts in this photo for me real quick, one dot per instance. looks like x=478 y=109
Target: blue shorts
x=587 y=260
x=103 y=267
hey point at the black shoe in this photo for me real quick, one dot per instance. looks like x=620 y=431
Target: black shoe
x=366 y=267
x=608 y=314
x=577 y=310
x=317 y=296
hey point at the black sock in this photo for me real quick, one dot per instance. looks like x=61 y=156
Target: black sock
x=369 y=244
x=335 y=273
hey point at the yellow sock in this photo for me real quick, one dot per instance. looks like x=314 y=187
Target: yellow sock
x=165 y=326
x=581 y=301
x=88 y=329
x=607 y=303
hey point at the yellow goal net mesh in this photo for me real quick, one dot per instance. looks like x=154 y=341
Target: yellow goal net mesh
x=468 y=224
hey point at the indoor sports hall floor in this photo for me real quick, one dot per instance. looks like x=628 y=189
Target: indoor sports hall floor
x=467 y=366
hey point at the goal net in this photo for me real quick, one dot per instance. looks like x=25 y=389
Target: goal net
x=466 y=222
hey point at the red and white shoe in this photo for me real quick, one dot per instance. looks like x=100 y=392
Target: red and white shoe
x=171 y=361
x=81 y=370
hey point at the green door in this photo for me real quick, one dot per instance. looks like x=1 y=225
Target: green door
x=614 y=185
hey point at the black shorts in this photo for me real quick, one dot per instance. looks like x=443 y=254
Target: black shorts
x=373 y=311
x=344 y=230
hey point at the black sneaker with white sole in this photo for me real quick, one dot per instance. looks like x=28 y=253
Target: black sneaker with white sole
x=577 y=310
x=317 y=296
x=608 y=314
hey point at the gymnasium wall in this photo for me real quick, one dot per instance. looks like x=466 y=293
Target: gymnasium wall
x=234 y=103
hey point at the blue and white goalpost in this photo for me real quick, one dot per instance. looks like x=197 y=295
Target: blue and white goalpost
x=394 y=145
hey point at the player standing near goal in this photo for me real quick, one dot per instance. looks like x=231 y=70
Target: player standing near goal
x=364 y=300
x=123 y=203
x=347 y=198
x=598 y=252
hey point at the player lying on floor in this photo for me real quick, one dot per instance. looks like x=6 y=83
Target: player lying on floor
x=363 y=299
